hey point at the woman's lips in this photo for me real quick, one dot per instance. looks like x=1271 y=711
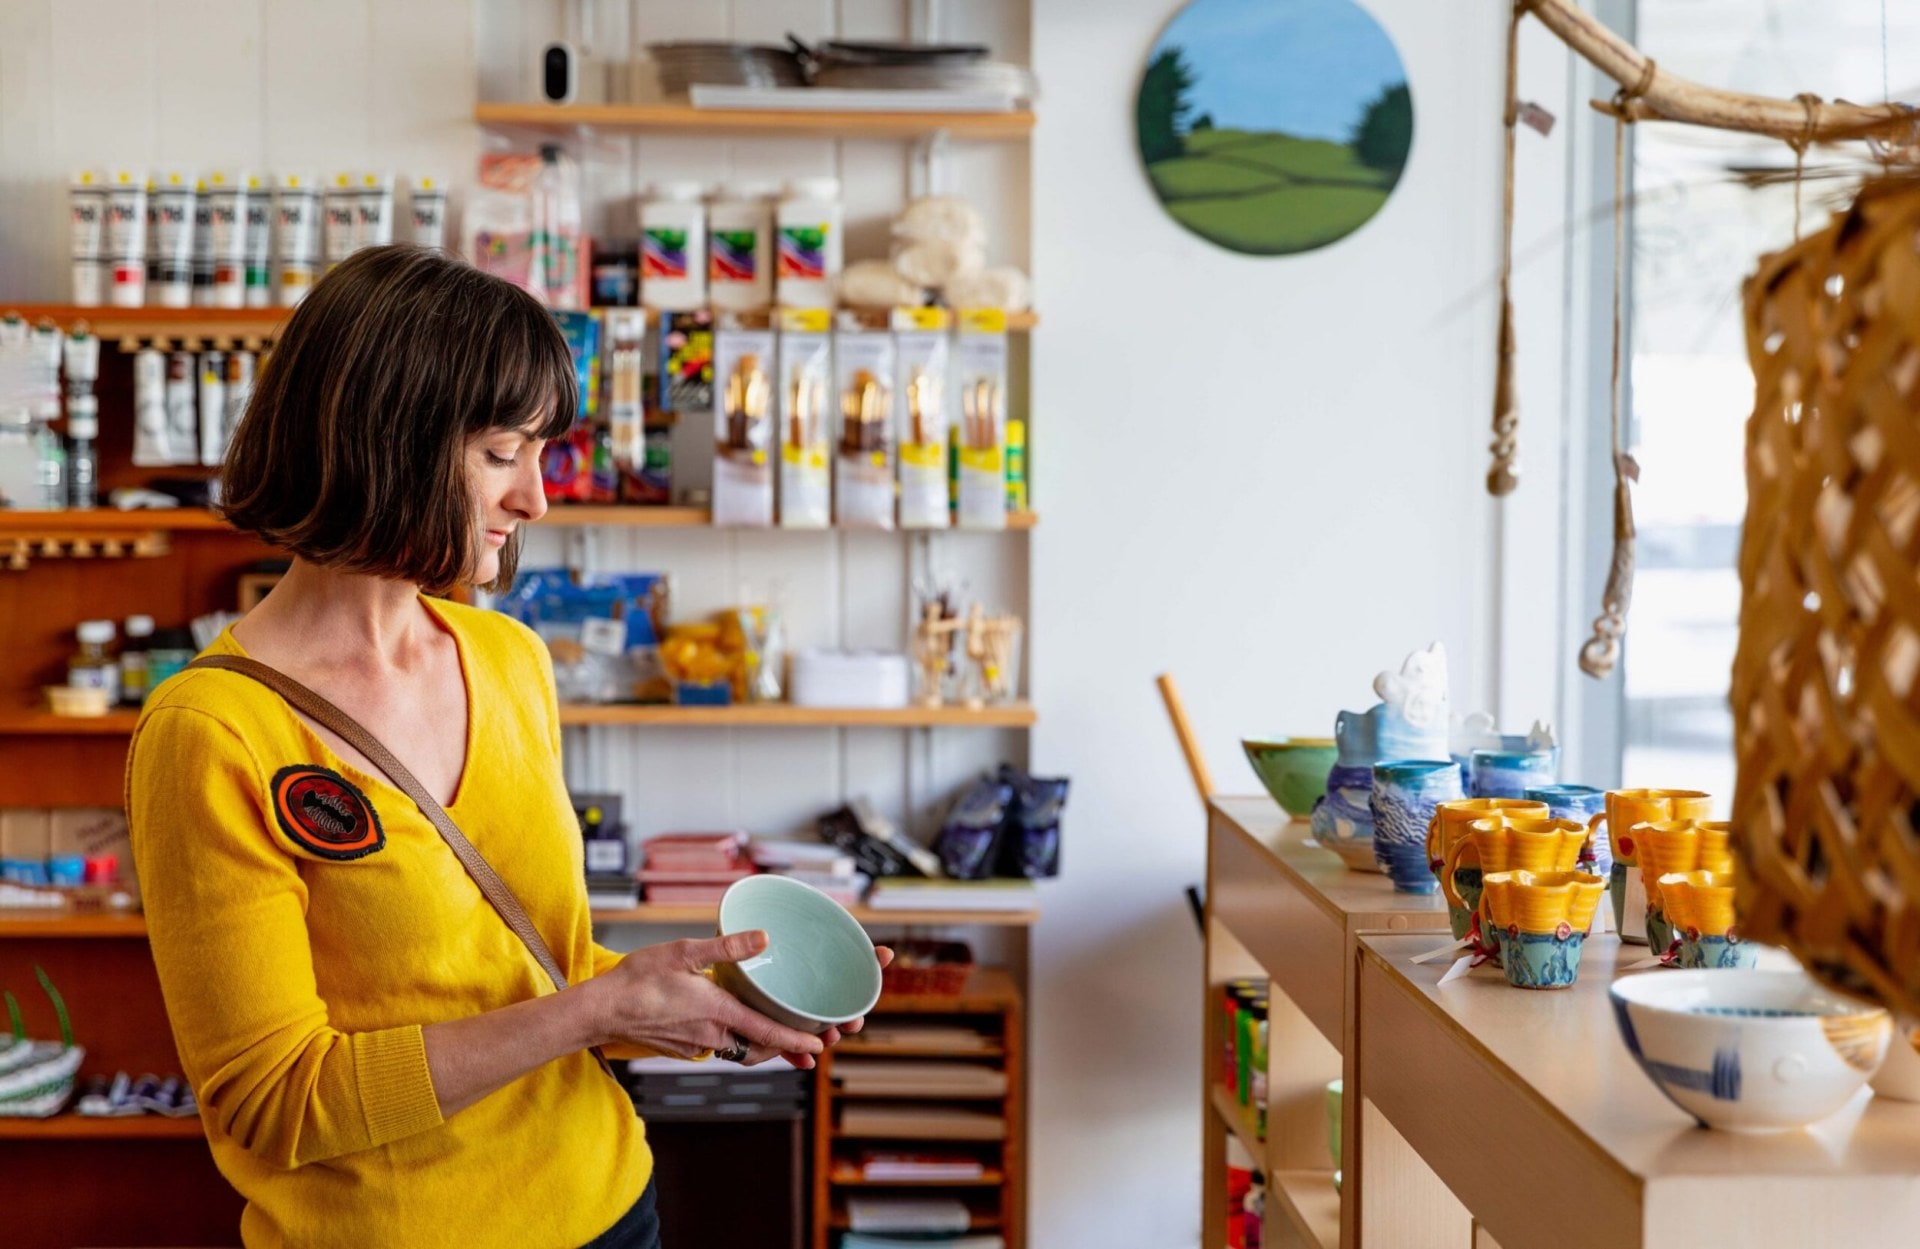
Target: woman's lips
x=498 y=537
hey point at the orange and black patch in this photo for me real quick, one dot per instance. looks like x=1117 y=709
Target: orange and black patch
x=325 y=813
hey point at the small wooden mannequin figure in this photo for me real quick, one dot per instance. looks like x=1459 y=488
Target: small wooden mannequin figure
x=990 y=647
x=932 y=644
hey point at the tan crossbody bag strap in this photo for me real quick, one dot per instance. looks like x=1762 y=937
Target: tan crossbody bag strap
x=323 y=712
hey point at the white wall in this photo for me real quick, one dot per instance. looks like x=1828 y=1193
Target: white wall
x=1263 y=475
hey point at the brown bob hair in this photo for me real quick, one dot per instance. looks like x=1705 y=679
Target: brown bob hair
x=353 y=449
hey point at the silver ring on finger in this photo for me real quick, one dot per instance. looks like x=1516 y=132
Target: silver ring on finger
x=736 y=1053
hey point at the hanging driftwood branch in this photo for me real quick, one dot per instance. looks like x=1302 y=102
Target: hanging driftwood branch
x=1667 y=97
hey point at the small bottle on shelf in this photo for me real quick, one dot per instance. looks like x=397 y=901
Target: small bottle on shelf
x=93 y=666
x=83 y=462
x=807 y=233
x=133 y=661
x=169 y=652
x=740 y=248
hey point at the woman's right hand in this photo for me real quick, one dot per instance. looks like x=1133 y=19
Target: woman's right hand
x=661 y=997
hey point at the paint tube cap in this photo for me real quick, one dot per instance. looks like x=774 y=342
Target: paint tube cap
x=95 y=632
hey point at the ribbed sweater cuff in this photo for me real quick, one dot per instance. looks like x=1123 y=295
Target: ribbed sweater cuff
x=396 y=1088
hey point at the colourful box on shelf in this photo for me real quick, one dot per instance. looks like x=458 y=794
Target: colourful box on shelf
x=703 y=693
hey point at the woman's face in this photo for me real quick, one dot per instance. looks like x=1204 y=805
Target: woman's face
x=503 y=469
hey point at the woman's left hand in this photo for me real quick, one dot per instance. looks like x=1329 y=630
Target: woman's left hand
x=830 y=1037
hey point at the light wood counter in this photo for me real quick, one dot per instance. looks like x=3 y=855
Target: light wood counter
x=1527 y=1106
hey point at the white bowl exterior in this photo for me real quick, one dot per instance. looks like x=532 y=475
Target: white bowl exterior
x=819 y=969
x=1899 y=1075
x=1749 y=1072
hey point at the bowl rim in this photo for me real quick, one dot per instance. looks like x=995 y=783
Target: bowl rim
x=845 y=920
x=1626 y=991
x=1284 y=742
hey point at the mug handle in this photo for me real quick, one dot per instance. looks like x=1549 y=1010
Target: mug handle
x=1446 y=873
x=1433 y=835
x=1593 y=826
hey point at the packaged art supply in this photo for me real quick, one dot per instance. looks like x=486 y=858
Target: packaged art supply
x=213 y=406
x=183 y=446
x=1031 y=847
x=740 y=248
x=806 y=428
x=686 y=362
x=1016 y=466
x=227 y=243
x=616 y=273
x=202 y=244
x=863 y=456
x=239 y=390
x=626 y=334
x=373 y=211
x=499 y=216
x=339 y=208
x=427 y=210
x=582 y=332
x=807 y=227
x=173 y=242
x=127 y=214
x=257 y=248
x=980 y=363
x=559 y=261
x=87 y=213
x=296 y=216
x=743 y=416
x=150 y=409
x=673 y=247
x=921 y=343
x=969 y=839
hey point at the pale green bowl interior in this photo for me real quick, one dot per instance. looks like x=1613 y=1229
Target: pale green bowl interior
x=819 y=962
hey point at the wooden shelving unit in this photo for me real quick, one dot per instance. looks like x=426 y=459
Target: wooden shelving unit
x=110 y=522
x=684 y=118
x=72 y=1127
x=990 y=1002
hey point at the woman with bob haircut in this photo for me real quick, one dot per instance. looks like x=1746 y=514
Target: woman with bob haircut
x=380 y=1058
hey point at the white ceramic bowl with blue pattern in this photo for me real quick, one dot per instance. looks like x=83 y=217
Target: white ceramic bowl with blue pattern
x=1748 y=1050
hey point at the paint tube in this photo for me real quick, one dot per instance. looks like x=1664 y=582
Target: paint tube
x=213 y=406
x=87 y=208
x=182 y=445
x=239 y=389
x=153 y=236
x=227 y=211
x=373 y=211
x=257 y=249
x=150 y=409
x=296 y=213
x=127 y=236
x=202 y=244
x=428 y=207
x=173 y=191
x=339 y=208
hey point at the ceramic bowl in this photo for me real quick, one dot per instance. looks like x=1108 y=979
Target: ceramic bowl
x=1749 y=1051
x=1899 y=1076
x=819 y=968
x=1294 y=769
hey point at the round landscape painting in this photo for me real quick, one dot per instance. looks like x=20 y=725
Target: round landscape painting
x=1274 y=126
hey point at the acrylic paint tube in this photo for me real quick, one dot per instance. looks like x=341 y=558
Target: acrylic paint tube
x=150 y=409
x=428 y=207
x=373 y=211
x=227 y=212
x=239 y=389
x=339 y=208
x=174 y=241
x=87 y=204
x=153 y=236
x=213 y=406
x=127 y=236
x=182 y=445
x=202 y=244
x=296 y=214
x=257 y=252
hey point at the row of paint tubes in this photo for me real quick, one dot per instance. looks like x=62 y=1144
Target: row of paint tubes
x=231 y=240
x=185 y=408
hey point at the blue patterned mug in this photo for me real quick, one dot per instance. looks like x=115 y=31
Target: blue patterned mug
x=1582 y=803
x=1405 y=793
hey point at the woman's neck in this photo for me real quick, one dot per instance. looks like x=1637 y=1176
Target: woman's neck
x=335 y=618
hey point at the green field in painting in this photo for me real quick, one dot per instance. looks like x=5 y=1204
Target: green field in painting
x=1268 y=193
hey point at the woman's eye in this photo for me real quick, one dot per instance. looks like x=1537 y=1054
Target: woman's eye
x=502 y=461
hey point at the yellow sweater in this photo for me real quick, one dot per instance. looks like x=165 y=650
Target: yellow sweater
x=307 y=921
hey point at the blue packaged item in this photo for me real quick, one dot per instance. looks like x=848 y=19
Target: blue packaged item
x=65 y=870
x=582 y=332
x=1030 y=845
x=969 y=840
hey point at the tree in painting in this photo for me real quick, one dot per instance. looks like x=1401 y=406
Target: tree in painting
x=1161 y=112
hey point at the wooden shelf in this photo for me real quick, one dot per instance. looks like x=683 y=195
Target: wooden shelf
x=1310 y=1202
x=25 y=922
x=31 y=720
x=1239 y=1120
x=563 y=514
x=685 y=118
x=71 y=1127
x=107 y=522
x=855 y=1046
x=845 y=1175
x=914 y=1095
x=1016 y=715
x=122 y=323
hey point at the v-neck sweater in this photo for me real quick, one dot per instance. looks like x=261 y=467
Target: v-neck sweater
x=307 y=922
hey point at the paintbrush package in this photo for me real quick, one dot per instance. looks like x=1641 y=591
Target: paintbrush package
x=806 y=430
x=863 y=455
x=980 y=431
x=743 y=417
x=922 y=347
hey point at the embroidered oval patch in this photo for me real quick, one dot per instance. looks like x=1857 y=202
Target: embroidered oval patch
x=325 y=813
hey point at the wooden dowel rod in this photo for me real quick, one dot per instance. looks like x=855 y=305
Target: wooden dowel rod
x=1177 y=712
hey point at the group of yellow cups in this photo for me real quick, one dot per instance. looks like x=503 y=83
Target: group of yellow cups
x=1685 y=864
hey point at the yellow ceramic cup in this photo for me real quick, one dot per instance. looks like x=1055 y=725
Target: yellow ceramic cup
x=1539 y=902
x=1450 y=820
x=1515 y=843
x=1628 y=807
x=1716 y=846
x=1698 y=901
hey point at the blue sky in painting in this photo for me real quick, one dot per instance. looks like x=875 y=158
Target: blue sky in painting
x=1308 y=67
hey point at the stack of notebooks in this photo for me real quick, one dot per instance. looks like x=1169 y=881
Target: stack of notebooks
x=891 y=1222
x=916 y=1121
x=897 y=1078
x=825 y=867
x=913 y=893
x=692 y=867
x=924 y=1036
x=892 y=1165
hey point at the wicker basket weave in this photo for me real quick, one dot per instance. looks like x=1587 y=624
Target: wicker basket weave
x=1825 y=701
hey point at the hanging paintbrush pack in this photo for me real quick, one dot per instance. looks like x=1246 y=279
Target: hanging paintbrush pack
x=806 y=370
x=980 y=359
x=743 y=422
x=864 y=365
x=923 y=347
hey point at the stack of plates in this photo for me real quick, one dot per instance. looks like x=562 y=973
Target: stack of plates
x=683 y=63
x=919 y=67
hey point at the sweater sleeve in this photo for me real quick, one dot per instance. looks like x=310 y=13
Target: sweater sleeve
x=226 y=916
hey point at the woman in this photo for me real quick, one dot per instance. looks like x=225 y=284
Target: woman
x=379 y=1059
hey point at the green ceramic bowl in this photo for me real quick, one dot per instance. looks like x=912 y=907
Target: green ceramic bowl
x=818 y=970
x=1294 y=769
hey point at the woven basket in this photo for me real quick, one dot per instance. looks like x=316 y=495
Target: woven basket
x=1825 y=699
x=923 y=968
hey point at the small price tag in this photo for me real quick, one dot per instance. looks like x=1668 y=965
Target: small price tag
x=1442 y=951
x=1534 y=117
x=603 y=637
x=1461 y=967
